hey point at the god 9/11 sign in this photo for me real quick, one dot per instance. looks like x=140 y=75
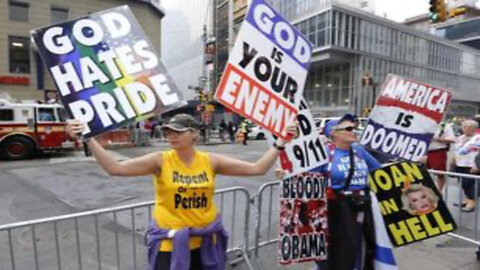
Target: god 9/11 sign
x=405 y=118
x=266 y=71
x=106 y=70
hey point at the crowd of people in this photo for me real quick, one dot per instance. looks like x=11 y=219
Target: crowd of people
x=181 y=232
x=227 y=131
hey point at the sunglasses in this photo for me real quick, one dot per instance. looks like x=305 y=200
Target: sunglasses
x=350 y=128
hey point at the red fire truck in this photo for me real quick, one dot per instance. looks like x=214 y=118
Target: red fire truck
x=26 y=128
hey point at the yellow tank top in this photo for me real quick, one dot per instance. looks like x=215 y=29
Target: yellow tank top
x=184 y=195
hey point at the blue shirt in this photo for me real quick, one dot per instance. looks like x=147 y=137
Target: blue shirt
x=339 y=167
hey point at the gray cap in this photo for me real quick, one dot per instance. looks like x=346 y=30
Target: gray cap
x=181 y=122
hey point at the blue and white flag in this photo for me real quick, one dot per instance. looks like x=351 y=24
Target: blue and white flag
x=384 y=258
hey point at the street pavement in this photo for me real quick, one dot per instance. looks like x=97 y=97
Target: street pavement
x=65 y=183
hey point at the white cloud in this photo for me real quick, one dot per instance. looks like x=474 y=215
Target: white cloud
x=400 y=10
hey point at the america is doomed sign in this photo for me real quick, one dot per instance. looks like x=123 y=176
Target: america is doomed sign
x=105 y=70
x=266 y=71
x=405 y=118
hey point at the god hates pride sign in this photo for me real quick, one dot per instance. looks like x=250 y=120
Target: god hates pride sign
x=411 y=206
x=405 y=118
x=266 y=71
x=106 y=70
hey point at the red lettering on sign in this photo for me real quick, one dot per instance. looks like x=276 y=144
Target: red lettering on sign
x=246 y=97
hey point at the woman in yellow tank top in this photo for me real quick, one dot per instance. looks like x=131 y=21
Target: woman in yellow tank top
x=185 y=217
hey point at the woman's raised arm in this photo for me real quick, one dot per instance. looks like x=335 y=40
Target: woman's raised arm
x=144 y=165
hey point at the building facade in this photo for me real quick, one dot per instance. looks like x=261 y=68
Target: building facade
x=182 y=42
x=349 y=44
x=22 y=74
x=466 y=32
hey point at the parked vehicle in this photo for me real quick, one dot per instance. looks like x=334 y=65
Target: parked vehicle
x=29 y=127
x=257 y=133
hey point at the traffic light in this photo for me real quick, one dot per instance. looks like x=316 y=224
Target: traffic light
x=438 y=11
x=367 y=80
x=210 y=95
x=201 y=96
x=457 y=11
x=366 y=111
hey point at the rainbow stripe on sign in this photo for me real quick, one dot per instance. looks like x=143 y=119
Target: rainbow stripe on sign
x=106 y=70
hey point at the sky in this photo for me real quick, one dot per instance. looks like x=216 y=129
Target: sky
x=399 y=10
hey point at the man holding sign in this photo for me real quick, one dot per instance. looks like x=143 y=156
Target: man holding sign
x=350 y=219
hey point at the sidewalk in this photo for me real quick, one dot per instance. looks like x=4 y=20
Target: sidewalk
x=441 y=253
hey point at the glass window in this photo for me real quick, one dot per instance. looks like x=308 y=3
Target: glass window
x=335 y=96
x=18 y=11
x=321 y=39
x=62 y=115
x=58 y=14
x=326 y=100
x=19 y=54
x=6 y=115
x=46 y=115
x=321 y=21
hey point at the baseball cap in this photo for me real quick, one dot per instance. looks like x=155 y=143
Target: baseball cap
x=332 y=124
x=181 y=122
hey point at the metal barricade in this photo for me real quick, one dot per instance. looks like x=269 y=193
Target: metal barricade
x=266 y=229
x=110 y=238
x=453 y=196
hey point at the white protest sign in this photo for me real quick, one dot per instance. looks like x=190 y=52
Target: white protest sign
x=405 y=118
x=266 y=71
x=306 y=151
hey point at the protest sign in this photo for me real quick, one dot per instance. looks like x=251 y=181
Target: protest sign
x=307 y=150
x=105 y=70
x=411 y=206
x=303 y=218
x=405 y=118
x=266 y=71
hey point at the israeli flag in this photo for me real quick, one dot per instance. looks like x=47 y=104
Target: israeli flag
x=384 y=259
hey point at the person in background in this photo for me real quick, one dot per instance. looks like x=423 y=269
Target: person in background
x=466 y=148
x=153 y=127
x=222 y=128
x=231 y=129
x=244 y=131
x=438 y=151
x=185 y=218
